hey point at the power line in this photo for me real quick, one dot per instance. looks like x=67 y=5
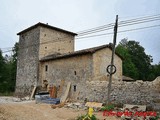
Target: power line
x=104 y=34
x=112 y=24
x=139 y=22
x=141 y=18
x=7 y=51
x=121 y=24
x=149 y=15
x=100 y=28
x=119 y=32
x=96 y=29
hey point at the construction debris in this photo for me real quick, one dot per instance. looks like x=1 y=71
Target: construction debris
x=53 y=91
x=44 y=97
x=94 y=104
x=13 y=99
x=33 y=92
x=58 y=105
x=139 y=107
x=76 y=106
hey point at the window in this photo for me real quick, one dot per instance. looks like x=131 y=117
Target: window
x=75 y=73
x=74 y=88
x=46 y=68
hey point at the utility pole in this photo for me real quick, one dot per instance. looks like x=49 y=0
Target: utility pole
x=112 y=59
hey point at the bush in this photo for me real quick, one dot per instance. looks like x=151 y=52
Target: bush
x=108 y=107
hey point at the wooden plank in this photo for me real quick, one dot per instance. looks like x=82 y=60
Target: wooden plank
x=58 y=105
x=64 y=97
x=94 y=104
x=33 y=92
x=53 y=92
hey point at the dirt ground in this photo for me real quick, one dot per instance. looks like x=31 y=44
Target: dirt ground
x=32 y=111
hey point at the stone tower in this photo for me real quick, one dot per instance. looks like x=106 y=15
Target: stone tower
x=36 y=42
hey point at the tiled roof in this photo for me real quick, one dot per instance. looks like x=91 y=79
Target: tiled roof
x=47 y=26
x=76 y=53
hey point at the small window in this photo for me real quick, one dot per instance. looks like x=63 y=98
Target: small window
x=45 y=47
x=46 y=68
x=74 y=88
x=75 y=73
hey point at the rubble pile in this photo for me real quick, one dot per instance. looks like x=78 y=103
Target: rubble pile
x=13 y=99
x=77 y=106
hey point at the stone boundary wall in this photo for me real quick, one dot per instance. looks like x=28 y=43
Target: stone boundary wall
x=138 y=92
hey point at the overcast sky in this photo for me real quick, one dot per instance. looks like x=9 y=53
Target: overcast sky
x=79 y=15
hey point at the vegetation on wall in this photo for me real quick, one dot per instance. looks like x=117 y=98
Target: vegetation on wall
x=136 y=63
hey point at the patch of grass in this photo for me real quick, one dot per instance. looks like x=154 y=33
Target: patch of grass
x=108 y=107
x=7 y=94
x=155 y=118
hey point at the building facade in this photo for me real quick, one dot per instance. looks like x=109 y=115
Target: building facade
x=46 y=55
x=79 y=67
x=36 y=42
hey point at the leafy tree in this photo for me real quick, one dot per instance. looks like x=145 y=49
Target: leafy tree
x=14 y=66
x=8 y=66
x=3 y=72
x=155 y=70
x=129 y=68
x=140 y=59
x=136 y=63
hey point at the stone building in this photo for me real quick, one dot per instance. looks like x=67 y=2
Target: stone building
x=47 y=54
x=79 y=68
x=36 y=42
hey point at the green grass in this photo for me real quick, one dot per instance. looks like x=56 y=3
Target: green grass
x=7 y=93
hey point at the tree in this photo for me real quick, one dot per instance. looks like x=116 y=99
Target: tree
x=129 y=68
x=141 y=60
x=155 y=70
x=3 y=73
x=14 y=65
x=136 y=62
x=8 y=67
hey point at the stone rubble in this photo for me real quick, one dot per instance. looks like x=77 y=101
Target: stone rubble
x=76 y=106
x=13 y=99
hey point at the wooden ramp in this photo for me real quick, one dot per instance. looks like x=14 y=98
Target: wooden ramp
x=64 y=97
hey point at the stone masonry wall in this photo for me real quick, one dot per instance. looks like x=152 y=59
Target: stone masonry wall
x=53 y=41
x=33 y=45
x=27 y=63
x=76 y=70
x=138 y=92
x=101 y=59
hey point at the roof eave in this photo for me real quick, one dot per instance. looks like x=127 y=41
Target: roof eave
x=48 y=26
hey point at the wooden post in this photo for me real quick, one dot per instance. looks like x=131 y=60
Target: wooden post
x=112 y=59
